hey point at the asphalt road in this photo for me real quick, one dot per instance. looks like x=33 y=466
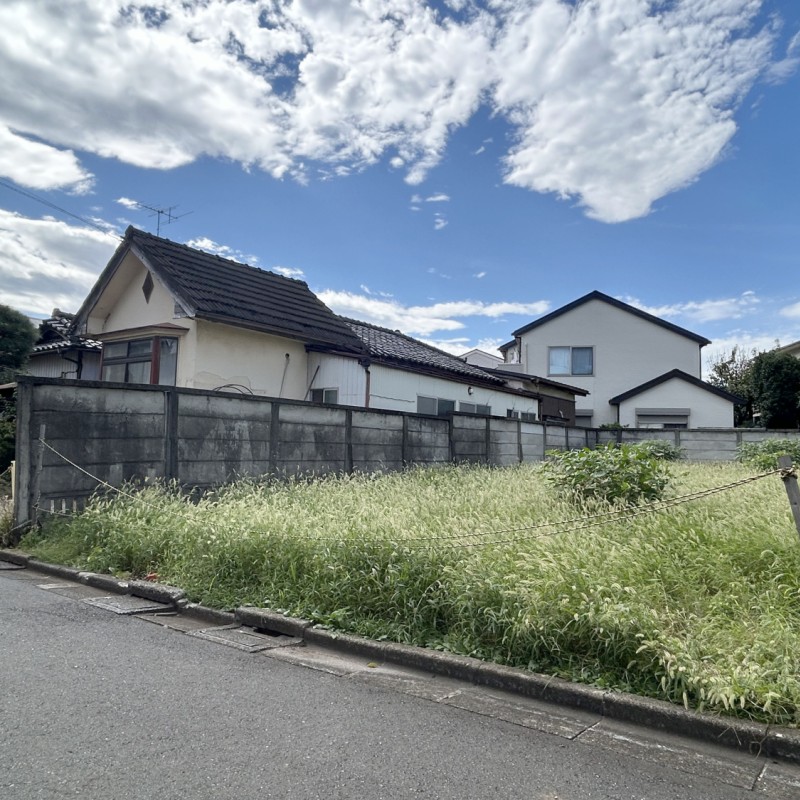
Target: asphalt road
x=98 y=705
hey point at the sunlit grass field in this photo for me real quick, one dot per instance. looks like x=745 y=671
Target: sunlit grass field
x=698 y=603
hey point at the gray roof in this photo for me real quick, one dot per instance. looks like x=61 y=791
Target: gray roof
x=395 y=348
x=221 y=290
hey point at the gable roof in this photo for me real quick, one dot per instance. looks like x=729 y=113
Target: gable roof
x=396 y=349
x=637 y=312
x=218 y=289
x=680 y=375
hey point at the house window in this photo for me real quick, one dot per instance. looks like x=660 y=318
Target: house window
x=663 y=418
x=435 y=406
x=475 y=408
x=328 y=396
x=153 y=361
x=583 y=418
x=524 y=416
x=571 y=361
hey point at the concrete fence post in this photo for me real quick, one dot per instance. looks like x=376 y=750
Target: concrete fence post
x=792 y=491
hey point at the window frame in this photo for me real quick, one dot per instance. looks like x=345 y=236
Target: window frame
x=325 y=393
x=572 y=349
x=152 y=358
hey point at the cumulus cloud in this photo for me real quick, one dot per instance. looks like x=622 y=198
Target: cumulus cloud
x=702 y=310
x=46 y=263
x=441 y=197
x=40 y=166
x=422 y=320
x=439 y=222
x=127 y=202
x=613 y=104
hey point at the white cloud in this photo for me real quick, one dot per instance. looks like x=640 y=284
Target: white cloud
x=792 y=311
x=39 y=166
x=127 y=202
x=620 y=103
x=479 y=275
x=702 y=310
x=422 y=320
x=441 y=197
x=613 y=103
x=46 y=263
x=210 y=246
x=289 y=272
x=439 y=222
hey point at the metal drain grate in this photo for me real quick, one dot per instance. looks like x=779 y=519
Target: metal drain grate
x=126 y=604
x=245 y=639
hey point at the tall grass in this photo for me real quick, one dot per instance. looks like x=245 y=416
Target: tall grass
x=698 y=604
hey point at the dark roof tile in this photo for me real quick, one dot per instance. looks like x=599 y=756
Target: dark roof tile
x=392 y=346
x=219 y=289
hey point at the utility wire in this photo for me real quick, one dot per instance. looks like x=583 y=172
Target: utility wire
x=58 y=208
x=456 y=540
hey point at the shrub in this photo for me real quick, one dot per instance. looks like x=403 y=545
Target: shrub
x=764 y=455
x=626 y=473
x=660 y=449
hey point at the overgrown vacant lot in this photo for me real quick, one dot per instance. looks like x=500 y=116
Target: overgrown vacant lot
x=698 y=603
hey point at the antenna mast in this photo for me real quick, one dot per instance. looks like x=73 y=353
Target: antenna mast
x=162 y=212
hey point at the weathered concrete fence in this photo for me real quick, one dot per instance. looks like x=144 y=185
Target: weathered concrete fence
x=116 y=432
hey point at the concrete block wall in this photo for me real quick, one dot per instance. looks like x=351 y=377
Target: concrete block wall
x=116 y=433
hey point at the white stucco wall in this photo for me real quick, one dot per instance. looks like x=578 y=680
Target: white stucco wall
x=628 y=351
x=255 y=360
x=707 y=410
x=123 y=305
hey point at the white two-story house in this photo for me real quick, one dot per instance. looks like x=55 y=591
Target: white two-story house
x=640 y=371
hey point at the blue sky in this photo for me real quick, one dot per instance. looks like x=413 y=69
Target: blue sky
x=450 y=169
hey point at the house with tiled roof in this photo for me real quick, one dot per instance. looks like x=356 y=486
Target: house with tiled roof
x=639 y=370
x=170 y=314
x=60 y=353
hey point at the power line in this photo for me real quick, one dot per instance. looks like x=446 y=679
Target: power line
x=59 y=208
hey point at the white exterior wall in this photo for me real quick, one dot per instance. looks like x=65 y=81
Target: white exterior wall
x=397 y=390
x=628 y=351
x=335 y=372
x=228 y=355
x=707 y=410
x=123 y=305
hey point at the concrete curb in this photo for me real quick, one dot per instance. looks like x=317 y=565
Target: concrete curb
x=265 y=620
x=755 y=738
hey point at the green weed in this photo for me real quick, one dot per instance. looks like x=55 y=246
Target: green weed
x=698 y=603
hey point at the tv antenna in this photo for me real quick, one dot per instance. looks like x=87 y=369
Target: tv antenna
x=159 y=213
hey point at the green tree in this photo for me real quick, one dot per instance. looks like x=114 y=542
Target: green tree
x=732 y=371
x=775 y=380
x=17 y=338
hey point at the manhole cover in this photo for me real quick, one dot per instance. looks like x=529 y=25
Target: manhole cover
x=126 y=604
x=244 y=638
